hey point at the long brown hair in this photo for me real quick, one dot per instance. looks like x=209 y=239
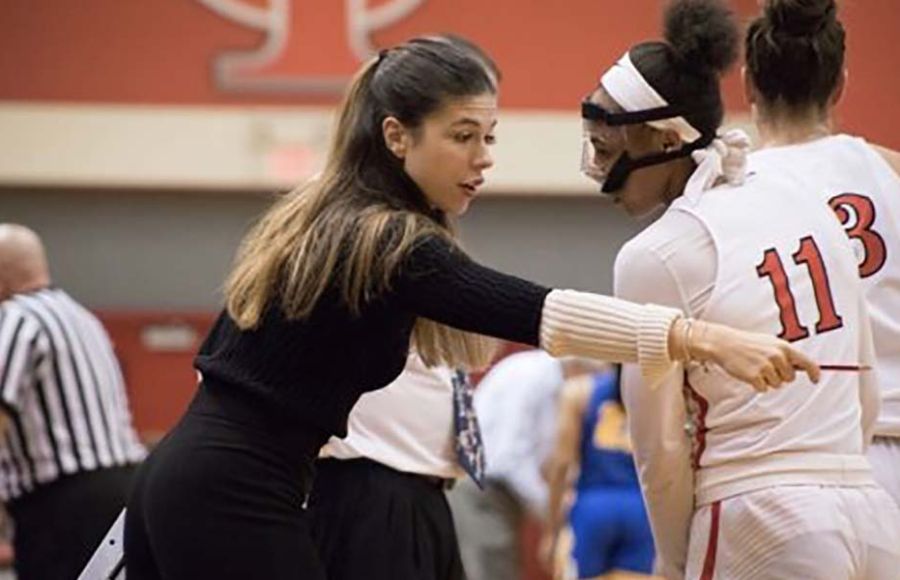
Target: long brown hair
x=353 y=225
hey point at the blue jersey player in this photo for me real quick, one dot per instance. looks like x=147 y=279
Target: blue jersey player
x=608 y=535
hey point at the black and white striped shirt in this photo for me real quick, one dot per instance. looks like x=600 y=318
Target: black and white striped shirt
x=63 y=393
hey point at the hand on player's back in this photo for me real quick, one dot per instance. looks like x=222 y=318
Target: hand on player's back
x=764 y=361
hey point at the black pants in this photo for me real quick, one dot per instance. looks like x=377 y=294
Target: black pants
x=372 y=522
x=58 y=526
x=222 y=497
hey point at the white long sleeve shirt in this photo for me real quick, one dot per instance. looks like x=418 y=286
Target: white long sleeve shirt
x=672 y=263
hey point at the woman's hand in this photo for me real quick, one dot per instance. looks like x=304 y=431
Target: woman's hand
x=764 y=361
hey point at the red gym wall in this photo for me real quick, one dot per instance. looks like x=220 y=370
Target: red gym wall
x=158 y=373
x=161 y=52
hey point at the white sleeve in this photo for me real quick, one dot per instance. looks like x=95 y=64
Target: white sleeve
x=604 y=328
x=662 y=455
x=662 y=448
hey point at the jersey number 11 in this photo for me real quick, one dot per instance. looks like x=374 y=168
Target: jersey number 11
x=773 y=268
x=874 y=258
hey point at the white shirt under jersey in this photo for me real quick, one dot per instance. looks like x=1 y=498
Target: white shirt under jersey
x=703 y=257
x=864 y=190
x=407 y=425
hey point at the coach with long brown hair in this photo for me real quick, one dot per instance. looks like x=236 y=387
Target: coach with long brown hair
x=328 y=292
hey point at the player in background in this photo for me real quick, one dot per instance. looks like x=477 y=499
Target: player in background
x=606 y=534
x=794 y=77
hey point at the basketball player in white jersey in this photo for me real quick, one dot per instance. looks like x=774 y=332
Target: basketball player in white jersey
x=762 y=486
x=794 y=76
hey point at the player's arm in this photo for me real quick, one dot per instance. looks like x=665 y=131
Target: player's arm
x=566 y=454
x=656 y=420
x=662 y=456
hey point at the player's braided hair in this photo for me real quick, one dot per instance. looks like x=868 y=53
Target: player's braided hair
x=795 y=52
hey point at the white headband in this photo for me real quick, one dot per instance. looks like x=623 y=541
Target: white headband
x=724 y=158
x=628 y=87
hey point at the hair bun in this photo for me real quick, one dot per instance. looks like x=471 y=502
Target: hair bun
x=800 y=17
x=703 y=33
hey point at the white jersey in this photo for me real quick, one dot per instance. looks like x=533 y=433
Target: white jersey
x=786 y=268
x=864 y=190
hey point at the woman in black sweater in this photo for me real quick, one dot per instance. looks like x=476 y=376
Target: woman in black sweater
x=327 y=295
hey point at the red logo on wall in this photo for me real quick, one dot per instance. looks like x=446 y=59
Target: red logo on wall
x=298 y=36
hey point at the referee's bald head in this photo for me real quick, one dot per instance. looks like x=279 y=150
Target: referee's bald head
x=23 y=261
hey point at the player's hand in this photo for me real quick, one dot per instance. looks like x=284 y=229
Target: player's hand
x=764 y=361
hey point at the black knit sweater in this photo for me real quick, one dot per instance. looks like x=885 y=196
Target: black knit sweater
x=312 y=371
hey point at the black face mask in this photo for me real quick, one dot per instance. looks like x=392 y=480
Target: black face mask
x=625 y=165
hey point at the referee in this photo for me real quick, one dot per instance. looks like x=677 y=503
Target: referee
x=67 y=446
